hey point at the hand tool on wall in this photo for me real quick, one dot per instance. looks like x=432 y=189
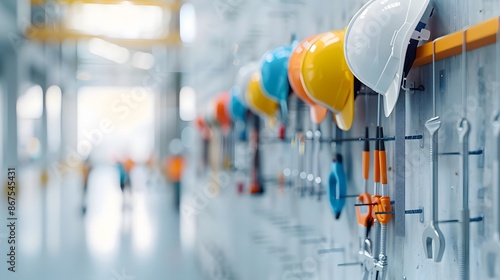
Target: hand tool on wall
x=463 y=255
x=204 y=131
x=315 y=169
x=383 y=205
x=433 y=238
x=298 y=146
x=317 y=112
x=223 y=122
x=376 y=179
x=264 y=107
x=337 y=184
x=364 y=213
x=309 y=161
x=255 y=175
x=463 y=129
x=491 y=249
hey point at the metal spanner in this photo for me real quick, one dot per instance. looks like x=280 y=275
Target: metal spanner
x=463 y=128
x=491 y=249
x=433 y=238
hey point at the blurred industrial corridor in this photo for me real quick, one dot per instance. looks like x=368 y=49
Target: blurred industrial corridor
x=249 y=139
x=135 y=236
x=90 y=117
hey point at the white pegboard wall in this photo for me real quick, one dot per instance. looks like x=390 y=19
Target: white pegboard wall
x=257 y=234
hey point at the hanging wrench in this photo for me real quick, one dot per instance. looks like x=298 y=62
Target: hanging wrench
x=491 y=249
x=315 y=163
x=432 y=234
x=463 y=255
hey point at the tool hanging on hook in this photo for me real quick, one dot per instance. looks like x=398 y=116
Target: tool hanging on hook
x=463 y=129
x=376 y=179
x=463 y=260
x=337 y=183
x=315 y=170
x=364 y=213
x=433 y=239
x=383 y=206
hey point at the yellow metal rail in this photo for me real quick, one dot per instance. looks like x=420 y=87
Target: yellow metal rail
x=48 y=35
x=59 y=33
x=171 y=5
x=477 y=36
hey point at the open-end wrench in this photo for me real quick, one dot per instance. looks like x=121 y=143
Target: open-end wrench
x=463 y=128
x=433 y=238
x=368 y=268
x=491 y=249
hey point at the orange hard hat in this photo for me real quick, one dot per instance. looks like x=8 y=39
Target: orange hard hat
x=318 y=112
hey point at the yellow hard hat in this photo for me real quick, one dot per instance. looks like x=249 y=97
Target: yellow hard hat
x=327 y=79
x=317 y=112
x=258 y=102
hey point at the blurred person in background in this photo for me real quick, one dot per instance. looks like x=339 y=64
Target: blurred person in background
x=125 y=168
x=86 y=168
x=151 y=164
x=174 y=168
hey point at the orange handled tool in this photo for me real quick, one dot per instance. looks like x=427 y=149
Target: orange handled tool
x=376 y=170
x=365 y=217
x=376 y=164
x=384 y=203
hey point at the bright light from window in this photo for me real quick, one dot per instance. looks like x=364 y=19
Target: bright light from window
x=187 y=23
x=33 y=147
x=53 y=99
x=30 y=104
x=143 y=230
x=143 y=60
x=108 y=50
x=118 y=21
x=83 y=76
x=187 y=104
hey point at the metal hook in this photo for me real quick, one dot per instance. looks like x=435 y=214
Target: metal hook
x=407 y=89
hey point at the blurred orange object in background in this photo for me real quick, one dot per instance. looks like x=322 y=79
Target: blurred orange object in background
x=174 y=167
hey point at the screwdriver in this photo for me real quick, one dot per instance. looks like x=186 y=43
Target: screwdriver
x=365 y=218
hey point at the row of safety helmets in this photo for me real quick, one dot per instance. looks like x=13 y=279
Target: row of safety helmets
x=325 y=71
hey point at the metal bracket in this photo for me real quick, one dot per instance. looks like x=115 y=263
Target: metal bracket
x=400 y=162
x=422 y=35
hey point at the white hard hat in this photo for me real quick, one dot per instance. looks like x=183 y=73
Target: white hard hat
x=377 y=40
x=244 y=75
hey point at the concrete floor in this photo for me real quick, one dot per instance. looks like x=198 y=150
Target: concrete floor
x=121 y=237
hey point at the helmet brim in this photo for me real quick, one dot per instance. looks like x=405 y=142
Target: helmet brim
x=345 y=118
x=317 y=113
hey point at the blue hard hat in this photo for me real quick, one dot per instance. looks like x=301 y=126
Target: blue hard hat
x=238 y=112
x=274 y=71
x=237 y=109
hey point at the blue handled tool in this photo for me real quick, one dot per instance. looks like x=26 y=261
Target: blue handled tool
x=337 y=183
x=337 y=186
